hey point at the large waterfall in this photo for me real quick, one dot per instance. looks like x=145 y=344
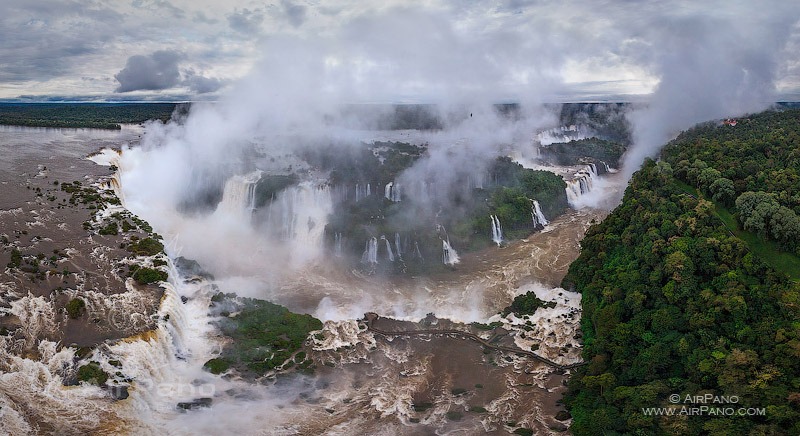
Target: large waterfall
x=497 y=231
x=538 y=216
x=298 y=217
x=581 y=184
x=239 y=194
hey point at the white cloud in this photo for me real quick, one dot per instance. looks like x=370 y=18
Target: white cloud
x=512 y=48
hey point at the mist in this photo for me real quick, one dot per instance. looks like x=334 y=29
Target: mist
x=708 y=69
x=300 y=96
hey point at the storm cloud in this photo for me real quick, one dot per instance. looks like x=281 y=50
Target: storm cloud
x=156 y=71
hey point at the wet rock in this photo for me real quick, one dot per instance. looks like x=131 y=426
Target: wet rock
x=184 y=299
x=557 y=426
x=189 y=267
x=197 y=403
x=563 y=415
x=119 y=392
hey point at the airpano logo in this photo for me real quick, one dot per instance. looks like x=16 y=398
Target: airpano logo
x=707 y=404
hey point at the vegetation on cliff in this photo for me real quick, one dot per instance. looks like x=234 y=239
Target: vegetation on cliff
x=676 y=303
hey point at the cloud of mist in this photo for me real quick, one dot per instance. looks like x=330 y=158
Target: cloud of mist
x=709 y=68
x=294 y=97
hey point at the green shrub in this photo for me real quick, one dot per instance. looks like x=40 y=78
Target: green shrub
x=75 y=308
x=110 y=229
x=146 y=247
x=217 y=366
x=92 y=373
x=16 y=258
x=145 y=275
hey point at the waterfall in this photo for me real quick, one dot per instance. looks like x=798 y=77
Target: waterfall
x=239 y=194
x=497 y=231
x=337 y=244
x=392 y=191
x=301 y=212
x=397 y=245
x=368 y=190
x=370 y=251
x=417 y=251
x=387 y=191
x=449 y=254
x=538 y=216
x=581 y=184
x=608 y=168
x=388 y=248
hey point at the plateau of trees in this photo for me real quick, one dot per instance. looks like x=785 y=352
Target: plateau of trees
x=83 y=115
x=675 y=303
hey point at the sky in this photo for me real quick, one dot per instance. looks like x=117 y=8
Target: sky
x=385 y=51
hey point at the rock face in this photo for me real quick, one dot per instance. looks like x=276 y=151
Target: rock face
x=197 y=403
x=119 y=392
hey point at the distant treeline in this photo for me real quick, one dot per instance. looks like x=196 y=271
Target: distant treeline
x=84 y=115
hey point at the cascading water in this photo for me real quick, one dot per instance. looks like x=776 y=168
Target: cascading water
x=497 y=231
x=370 y=254
x=239 y=195
x=397 y=245
x=392 y=192
x=449 y=254
x=389 y=253
x=538 y=216
x=302 y=212
x=581 y=184
x=337 y=244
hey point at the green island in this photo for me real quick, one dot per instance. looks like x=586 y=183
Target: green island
x=83 y=115
x=264 y=336
x=690 y=287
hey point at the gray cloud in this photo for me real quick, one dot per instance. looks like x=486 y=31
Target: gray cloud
x=156 y=71
x=200 y=84
x=200 y=17
x=295 y=13
x=246 y=21
x=159 y=5
x=40 y=41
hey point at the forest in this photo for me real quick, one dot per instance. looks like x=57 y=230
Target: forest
x=683 y=293
x=83 y=115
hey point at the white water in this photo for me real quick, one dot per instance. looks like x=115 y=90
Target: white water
x=397 y=245
x=239 y=195
x=370 y=254
x=581 y=184
x=389 y=253
x=392 y=191
x=449 y=254
x=303 y=212
x=538 y=216
x=497 y=231
x=562 y=134
x=337 y=244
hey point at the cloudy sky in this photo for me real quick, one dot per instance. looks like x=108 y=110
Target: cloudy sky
x=391 y=50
